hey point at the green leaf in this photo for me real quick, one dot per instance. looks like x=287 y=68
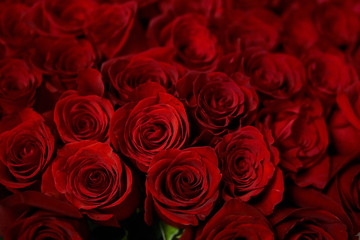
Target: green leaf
x=169 y=232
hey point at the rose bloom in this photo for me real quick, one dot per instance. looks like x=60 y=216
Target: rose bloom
x=313 y=216
x=82 y=117
x=91 y=177
x=32 y=215
x=249 y=167
x=25 y=150
x=18 y=84
x=301 y=135
x=218 y=103
x=141 y=129
x=236 y=220
x=275 y=75
x=196 y=47
x=182 y=186
x=126 y=74
x=109 y=26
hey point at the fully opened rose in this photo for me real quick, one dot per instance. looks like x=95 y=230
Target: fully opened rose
x=179 y=119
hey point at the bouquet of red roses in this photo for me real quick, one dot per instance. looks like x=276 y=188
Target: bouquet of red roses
x=176 y=119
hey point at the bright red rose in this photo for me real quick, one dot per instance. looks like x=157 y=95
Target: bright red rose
x=314 y=216
x=344 y=124
x=18 y=84
x=217 y=102
x=301 y=135
x=182 y=186
x=25 y=150
x=236 y=220
x=276 y=75
x=127 y=74
x=83 y=117
x=90 y=176
x=141 y=129
x=32 y=215
x=249 y=166
x=109 y=26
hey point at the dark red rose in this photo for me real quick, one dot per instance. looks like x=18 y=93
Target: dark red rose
x=63 y=59
x=60 y=17
x=327 y=74
x=218 y=103
x=256 y=28
x=32 y=215
x=18 y=84
x=126 y=74
x=196 y=47
x=249 y=167
x=344 y=125
x=25 y=150
x=140 y=130
x=94 y=179
x=337 y=24
x=315 y=216
x=301 y=136
x=236 y=220
x=109 y=26
x=244 y=4
x=345 y=189
x=83 y=117
x=182 y=186
x=276 y=75
x=14 y=29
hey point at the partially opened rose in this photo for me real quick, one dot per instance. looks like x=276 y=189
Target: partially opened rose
x=249 y=167
x=91 y=177
x=182 y=186
x=83 y=117
x=25 y=150
x=236 y=220
x=141 y=129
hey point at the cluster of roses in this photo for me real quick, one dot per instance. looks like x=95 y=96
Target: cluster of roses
x=226 y=118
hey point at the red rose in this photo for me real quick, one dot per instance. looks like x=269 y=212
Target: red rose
x=83 y=117
x=249 y=167
x=94 y=179
x=327 y=74
x=182 y=185
x=140 y=130
x=19 y=83
x=109 y=26
x=32 y=215
x=301 y=136
x=344 y=125
x=276 y=75
x=63 y=59
x=218 y=103
x=196 y=47
x=126 y=74
x=344 y=189
x=60 y=17
x=314 y=216
x=25 y=151
x=236 y=220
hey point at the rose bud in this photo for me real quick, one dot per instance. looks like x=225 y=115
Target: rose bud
x=25 y=150
x=82 y=117
x=91 y=177
x=182 y=186
x=18 y=84
x=236 y=220
x=141 y=129
x=249 y=166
